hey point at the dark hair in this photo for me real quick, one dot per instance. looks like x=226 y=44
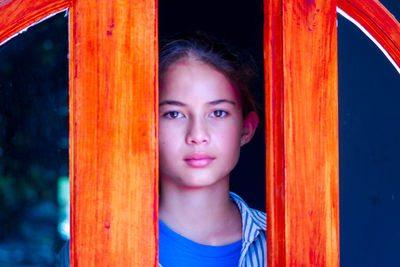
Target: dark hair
x=237 y=66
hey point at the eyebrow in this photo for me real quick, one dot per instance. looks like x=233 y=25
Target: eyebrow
x=172 y=102
x=180 y=104
x=220 y=101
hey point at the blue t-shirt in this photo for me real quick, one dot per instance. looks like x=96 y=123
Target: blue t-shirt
x=178 y=251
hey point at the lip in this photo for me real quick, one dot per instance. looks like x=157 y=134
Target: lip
x=198 y=160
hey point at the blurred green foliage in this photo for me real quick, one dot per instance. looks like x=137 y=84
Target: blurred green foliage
x=33 y=141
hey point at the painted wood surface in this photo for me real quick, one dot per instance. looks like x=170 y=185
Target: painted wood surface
x=275 y=177
x=302 y=132
x=17 y=15
x=113 y=132
x=378 y=21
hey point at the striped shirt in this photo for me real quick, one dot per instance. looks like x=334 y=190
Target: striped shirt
x=254 y=247
x=254 y=244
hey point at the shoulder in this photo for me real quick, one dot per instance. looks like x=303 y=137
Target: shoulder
x=254 y=251
x=62 y=259
x=254 y=222
x=250 y=216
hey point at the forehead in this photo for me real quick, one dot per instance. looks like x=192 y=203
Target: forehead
x=188 y=78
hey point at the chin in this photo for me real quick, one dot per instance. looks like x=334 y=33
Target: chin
x=196 y=178
x=202 y=182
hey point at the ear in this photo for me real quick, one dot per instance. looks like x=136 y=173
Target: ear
x=249 y=127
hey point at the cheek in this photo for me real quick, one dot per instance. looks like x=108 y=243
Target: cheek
x=166 y=154
x=163 y=141
x=167 y=140
x=229 y=140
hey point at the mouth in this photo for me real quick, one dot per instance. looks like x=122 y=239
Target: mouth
x=198 y=160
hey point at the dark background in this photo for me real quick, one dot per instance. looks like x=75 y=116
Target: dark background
x=34 y=132
x=33 y=142
x=240 y=25
x=369 y=145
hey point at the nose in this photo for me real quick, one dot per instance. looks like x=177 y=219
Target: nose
x=197 y=132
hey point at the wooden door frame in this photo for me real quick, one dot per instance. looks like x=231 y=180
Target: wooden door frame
x=113 y=208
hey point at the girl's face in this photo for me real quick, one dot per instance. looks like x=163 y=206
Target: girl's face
x=200 y=126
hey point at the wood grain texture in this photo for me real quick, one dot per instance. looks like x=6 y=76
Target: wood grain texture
x=302 y=132
x=273 y=66
x=113 y=133
x=378 y=21
x=17 y=15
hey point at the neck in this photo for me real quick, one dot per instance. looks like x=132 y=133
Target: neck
x=204 y=214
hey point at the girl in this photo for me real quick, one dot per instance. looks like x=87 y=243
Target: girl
x=206 y=115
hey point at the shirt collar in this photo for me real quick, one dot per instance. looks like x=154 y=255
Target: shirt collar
x=253 y=221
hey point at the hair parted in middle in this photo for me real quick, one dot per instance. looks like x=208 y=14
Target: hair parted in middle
x=237 y=66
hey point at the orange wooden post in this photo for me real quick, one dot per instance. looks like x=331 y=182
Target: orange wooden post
x=113 y=133
x=302 y=132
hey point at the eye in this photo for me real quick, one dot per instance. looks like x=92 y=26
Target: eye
x=173 y=115
x=219 y=113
